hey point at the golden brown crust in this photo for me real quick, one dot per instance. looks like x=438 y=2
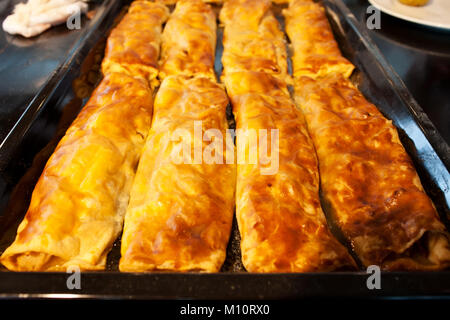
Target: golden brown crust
x=369 y=181
x=315 y=51
x=242 y=13
x=133 y=46
x=179 y=216
x=189 y=41
x=282 y=226
x=77 y=207
x=253 y=39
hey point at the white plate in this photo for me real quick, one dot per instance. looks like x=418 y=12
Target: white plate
x=436 y=13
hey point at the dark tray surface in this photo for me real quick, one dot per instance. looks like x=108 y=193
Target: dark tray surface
x=378 y=82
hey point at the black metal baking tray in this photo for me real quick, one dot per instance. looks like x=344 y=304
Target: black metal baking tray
x=30 y=69
x=28 y=152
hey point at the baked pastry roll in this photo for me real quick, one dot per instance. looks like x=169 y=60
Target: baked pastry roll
x=170 y=2
x=315 y=51
x=253 y=39
x=368 y=180
x=181 y=208
x=189 y=41
x=280 y=219
x=133 y=46
x=77 y=207
x=244 y=82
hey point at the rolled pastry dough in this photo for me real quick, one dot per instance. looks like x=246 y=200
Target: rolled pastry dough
x=180 y=213
x=77 y=207
x=368 y=180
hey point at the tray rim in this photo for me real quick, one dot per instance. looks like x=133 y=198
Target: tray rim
x=224 y=286
x=15 y=285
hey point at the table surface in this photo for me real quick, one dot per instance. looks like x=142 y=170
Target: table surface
x=421 y=56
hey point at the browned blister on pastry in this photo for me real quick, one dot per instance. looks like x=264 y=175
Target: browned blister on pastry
x=133 y=46
x=368 y=180
x=189 y=41
x=77 y=207
x=281 y=222
x=315 y=51
x=181 y=207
